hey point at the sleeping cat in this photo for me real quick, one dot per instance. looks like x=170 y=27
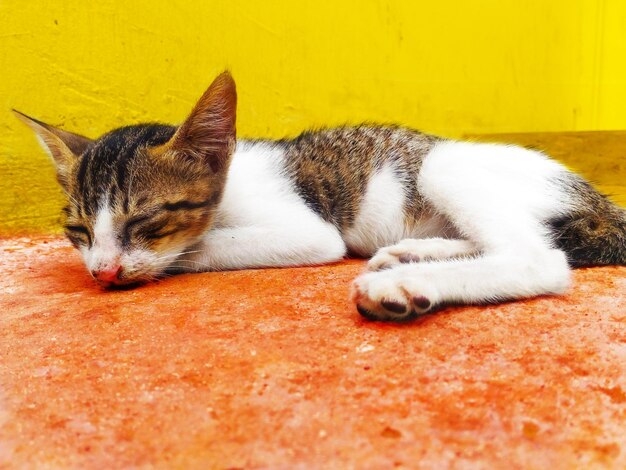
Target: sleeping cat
x=445 y=221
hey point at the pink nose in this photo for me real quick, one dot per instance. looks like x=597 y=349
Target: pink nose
x=110 y=274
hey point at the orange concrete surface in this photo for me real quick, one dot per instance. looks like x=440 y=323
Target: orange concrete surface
x=274 y=368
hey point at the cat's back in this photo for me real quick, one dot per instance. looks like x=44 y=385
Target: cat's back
x=332 y=168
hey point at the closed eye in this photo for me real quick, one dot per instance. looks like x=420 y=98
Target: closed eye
x=132 y=223
x=78 y=234
x=143 y=227
x=136 y=221
x=189 y=205
x=155 y=231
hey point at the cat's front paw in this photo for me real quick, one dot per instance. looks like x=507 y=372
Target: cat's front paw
x=392 y=296
x=412 y=250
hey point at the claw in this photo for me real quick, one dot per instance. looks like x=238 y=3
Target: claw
x=366 y=313
x=395 y=307
x=421 y=302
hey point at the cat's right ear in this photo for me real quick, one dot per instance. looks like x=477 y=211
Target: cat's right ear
x=207 y=137
x=64 y=147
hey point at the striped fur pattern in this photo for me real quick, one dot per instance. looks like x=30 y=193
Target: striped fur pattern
x=444 y=221
x=332 y=167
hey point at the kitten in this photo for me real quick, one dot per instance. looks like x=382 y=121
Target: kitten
x=445 y=221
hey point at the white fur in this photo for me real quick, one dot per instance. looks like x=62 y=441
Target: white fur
x=105 y=251
x=43 y=143
x=261 y=221
x=497 y=196
x=426 y=249
x=380 y=220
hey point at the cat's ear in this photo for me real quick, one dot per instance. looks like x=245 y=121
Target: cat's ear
x=208 y=135
x=64 y=147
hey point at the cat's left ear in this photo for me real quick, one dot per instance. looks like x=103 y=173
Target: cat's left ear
x=208 y=135
x=64 y=147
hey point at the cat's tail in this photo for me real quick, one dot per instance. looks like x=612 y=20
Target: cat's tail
x=593 y=232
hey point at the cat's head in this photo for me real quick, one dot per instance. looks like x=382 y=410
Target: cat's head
x=139 y=196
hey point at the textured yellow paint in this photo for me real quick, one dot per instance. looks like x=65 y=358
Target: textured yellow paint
x=448 y=67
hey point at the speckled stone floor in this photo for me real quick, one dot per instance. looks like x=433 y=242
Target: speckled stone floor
x=274 y=368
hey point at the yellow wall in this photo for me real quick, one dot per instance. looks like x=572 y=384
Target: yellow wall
x=444 y=66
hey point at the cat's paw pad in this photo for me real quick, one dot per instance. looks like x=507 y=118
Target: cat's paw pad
x=387 y=296
x=413 y=251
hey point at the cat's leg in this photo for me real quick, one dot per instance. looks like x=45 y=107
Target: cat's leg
x=497 y=198
x=264 y=246
x=412 y=250
x=396 y=293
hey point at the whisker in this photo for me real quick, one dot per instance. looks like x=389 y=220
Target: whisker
x=177 y=254
x=192 y=264
x=190 y=261
x=73 y=200
x=130 y=182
